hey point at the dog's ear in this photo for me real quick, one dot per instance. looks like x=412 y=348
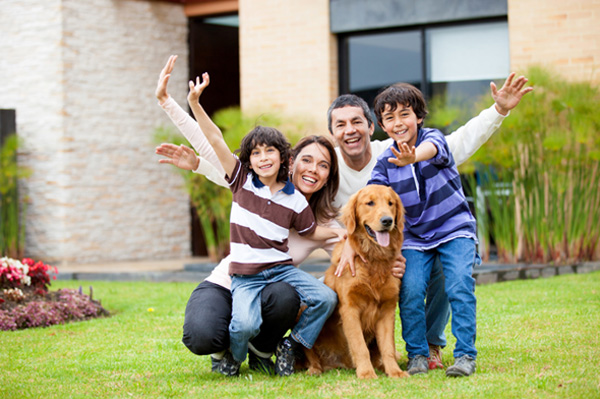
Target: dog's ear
x=349 y=214
x=399 y=211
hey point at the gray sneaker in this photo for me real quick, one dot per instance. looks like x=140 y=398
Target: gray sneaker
x=417 y=365
x=463 y=366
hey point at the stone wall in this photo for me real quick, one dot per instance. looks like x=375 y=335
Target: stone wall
x=561 y=34
x=288 y=58
x=81 y=76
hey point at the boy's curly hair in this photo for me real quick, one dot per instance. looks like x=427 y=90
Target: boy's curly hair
x=400 y=93
x=269 y=136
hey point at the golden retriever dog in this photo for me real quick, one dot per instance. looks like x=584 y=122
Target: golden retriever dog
x=360 y=332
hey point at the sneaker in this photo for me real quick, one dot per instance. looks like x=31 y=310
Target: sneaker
x=229 y=366
x=214 y=364
x=261 y=364
x=286 y=356
x=435 y=357
x=417 y=365
x=463 y=366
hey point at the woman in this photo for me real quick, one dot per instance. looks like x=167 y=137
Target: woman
x=314 y=172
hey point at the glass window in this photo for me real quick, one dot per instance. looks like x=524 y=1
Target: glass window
x=378 y=60
x=454 y=63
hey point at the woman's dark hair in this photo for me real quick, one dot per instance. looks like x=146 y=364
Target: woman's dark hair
x=403 y=94
x=269 y=136
x=321 y=202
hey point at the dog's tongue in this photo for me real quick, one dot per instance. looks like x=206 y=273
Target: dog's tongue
x=383 y=238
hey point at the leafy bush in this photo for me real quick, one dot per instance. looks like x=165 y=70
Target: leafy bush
x=547 y=153
x=58 y=308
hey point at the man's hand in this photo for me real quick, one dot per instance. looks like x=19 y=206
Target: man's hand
x=399 y=267
x=405 y=156
x=509 y=96
x=163 y=80
x=181 y=156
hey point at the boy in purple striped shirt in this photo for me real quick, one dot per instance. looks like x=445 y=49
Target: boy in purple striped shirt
x=421 y=169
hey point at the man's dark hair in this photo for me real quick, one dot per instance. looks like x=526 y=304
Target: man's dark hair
x=348 y=100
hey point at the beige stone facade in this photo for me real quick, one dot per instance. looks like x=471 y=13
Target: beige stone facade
x=81 y=76
x=288 y=58
x=561 y=34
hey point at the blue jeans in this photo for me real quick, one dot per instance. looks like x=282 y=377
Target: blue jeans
x=458 y=258
x=246 y=307
x=437 y=307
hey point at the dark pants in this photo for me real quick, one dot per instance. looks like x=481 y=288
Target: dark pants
x=208 y=313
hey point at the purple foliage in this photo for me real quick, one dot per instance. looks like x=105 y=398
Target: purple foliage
x=70 y=305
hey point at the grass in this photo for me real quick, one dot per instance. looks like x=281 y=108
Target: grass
x=537 y=339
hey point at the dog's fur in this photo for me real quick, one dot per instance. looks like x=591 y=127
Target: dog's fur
x=360 y=332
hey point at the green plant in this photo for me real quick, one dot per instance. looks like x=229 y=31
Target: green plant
x=12 y=232
x=213 y=202
x=547 y=153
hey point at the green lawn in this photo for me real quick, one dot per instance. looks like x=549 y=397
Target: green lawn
x=536 y=339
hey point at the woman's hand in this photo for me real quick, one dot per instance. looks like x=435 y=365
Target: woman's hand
x=347 y=258
x=163 y=80
x=178 y=155
x=197 y=88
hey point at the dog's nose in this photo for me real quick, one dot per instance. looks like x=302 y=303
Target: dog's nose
x=386 y=221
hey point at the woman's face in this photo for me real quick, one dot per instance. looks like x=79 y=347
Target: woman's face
x=310 y=170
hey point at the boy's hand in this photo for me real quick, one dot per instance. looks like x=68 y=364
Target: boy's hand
x=181 y=156
x=405 y=156
x=197 y=89
x=163 y=80
x=510 y=94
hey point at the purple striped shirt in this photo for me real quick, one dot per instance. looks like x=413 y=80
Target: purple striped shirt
x=432 y=194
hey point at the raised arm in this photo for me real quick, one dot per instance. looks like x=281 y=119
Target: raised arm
x=208 y=164
x=211 y=131
x=467 y=139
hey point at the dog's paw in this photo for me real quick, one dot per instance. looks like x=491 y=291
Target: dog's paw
x=398 y=374
x=313 y=371
x=366 y=374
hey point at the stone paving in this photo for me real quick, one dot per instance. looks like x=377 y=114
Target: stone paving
x=197 y=269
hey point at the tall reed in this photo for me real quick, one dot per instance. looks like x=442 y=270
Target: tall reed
x=548 y=150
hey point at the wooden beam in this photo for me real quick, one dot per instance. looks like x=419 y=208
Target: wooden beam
x=210 y=7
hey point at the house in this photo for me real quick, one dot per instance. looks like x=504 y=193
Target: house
x=81 y=77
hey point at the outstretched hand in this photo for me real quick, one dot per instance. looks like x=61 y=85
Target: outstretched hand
x=178 y=155
x=163 y=80
x=405 y=156
x=510 y=94
x=197 y=88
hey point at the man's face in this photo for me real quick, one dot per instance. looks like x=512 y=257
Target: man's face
x=351 y=131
